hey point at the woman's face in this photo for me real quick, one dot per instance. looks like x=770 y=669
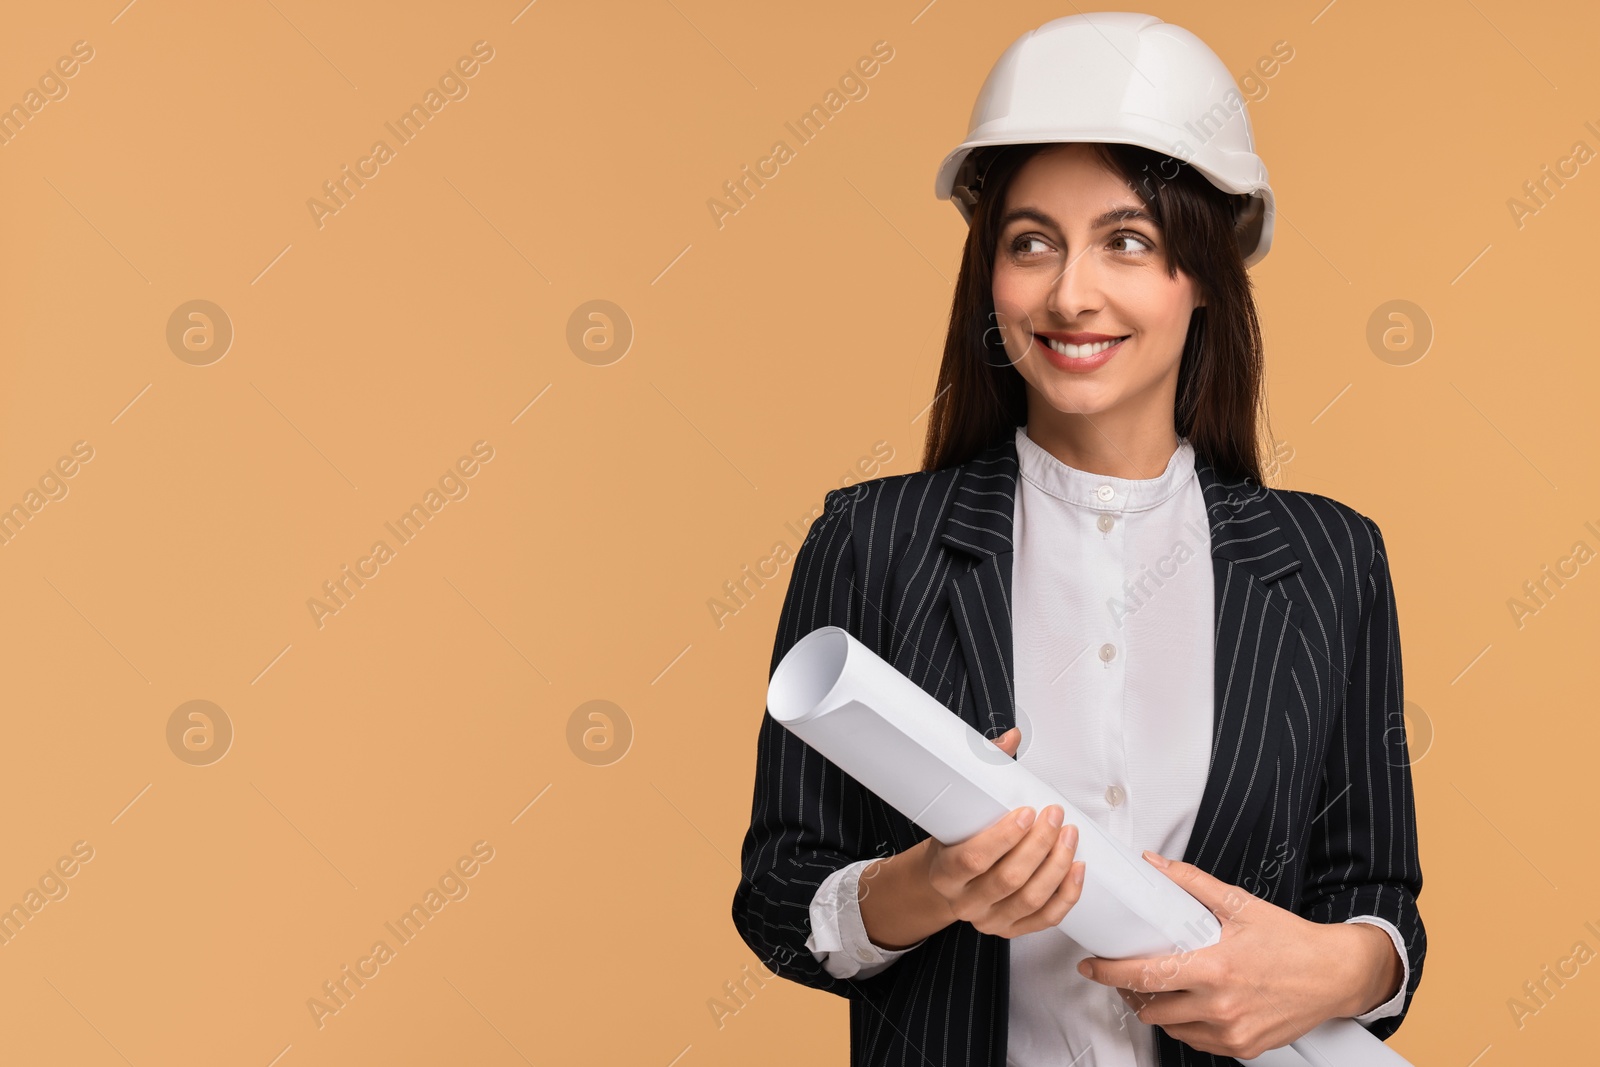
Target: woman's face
x=1065 y=271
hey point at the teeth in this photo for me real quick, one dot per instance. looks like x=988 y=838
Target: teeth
x=1080 y=351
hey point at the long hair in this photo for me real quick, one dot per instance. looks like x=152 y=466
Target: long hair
x=981 y=396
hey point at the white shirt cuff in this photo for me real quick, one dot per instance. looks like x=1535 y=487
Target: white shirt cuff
x=1393 y=1004
x=838 y=937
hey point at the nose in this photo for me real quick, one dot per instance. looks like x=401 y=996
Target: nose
x=1076 y=290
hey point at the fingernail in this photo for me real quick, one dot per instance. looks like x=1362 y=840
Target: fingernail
x=1083 y=968
x=1025 y=818
x=1156 y=858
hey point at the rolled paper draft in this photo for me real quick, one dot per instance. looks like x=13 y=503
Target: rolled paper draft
x=893 y=737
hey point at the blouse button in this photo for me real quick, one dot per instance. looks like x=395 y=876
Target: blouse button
x=1105 y=523
x=863 y=955
x=1105 y=492
x=1114 y=795
x=1108 y=651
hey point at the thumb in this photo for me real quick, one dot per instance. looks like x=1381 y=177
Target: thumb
x=1008 y=741
x=1226 y=901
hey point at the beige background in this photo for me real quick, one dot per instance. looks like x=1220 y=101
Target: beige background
x=436 y=709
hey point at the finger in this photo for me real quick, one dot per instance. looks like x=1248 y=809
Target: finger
x=976 y=855
x=1049 y=893
x=1166 y=1009
x=989 y=850
x=1135 y=1000
x=1068 y=893
x=1226 y=901
x=1012 y=871
x=1008 y=741
x=1145 y=974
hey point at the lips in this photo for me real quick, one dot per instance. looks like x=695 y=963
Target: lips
x=1079 y=345
x=1079 y=359
x=1077 y=338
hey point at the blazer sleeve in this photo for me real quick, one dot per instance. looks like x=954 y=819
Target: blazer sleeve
x=807 y=816
x=1363 y=858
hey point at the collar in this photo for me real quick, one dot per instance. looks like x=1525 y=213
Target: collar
x=1101 y=492
x=1243 y=522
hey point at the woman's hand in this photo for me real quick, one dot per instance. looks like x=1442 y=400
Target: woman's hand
x=1015 y=877
x=1010 y=879
x=1273 y=976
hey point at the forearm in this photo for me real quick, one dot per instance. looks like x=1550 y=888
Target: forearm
x=899 y=906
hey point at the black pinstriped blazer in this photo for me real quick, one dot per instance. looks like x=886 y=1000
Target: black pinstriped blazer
x=1307 y=803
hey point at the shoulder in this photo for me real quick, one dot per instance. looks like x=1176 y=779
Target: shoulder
x=1326 y=529
x=914 y=499
x=881 y=524
x=927 y=495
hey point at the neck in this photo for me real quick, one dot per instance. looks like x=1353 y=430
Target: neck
x=1100 y=445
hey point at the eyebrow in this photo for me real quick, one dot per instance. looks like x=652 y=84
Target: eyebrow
x=1108 y=218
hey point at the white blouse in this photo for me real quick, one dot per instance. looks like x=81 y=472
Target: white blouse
x=1113 y=645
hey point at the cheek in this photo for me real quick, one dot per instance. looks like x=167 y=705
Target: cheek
x=1161 y=309
x=1004 y=292
x=1013 y=306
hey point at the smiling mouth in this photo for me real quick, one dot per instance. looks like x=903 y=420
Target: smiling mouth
x=1080 y=351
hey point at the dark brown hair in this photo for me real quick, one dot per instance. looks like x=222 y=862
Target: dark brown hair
x=981 y=397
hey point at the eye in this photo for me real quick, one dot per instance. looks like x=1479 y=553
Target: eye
x=1145 y=245
x=1020 y=243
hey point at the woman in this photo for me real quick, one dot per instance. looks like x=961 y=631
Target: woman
x=1091 y=445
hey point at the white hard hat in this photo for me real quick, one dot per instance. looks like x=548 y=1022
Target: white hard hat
x=1124 y=78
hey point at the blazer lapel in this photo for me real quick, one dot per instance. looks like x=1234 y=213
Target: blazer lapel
x=979 y=523
x=1257 y=636
x=1258 y=642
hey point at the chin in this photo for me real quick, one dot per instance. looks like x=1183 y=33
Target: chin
x=1081 y=398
